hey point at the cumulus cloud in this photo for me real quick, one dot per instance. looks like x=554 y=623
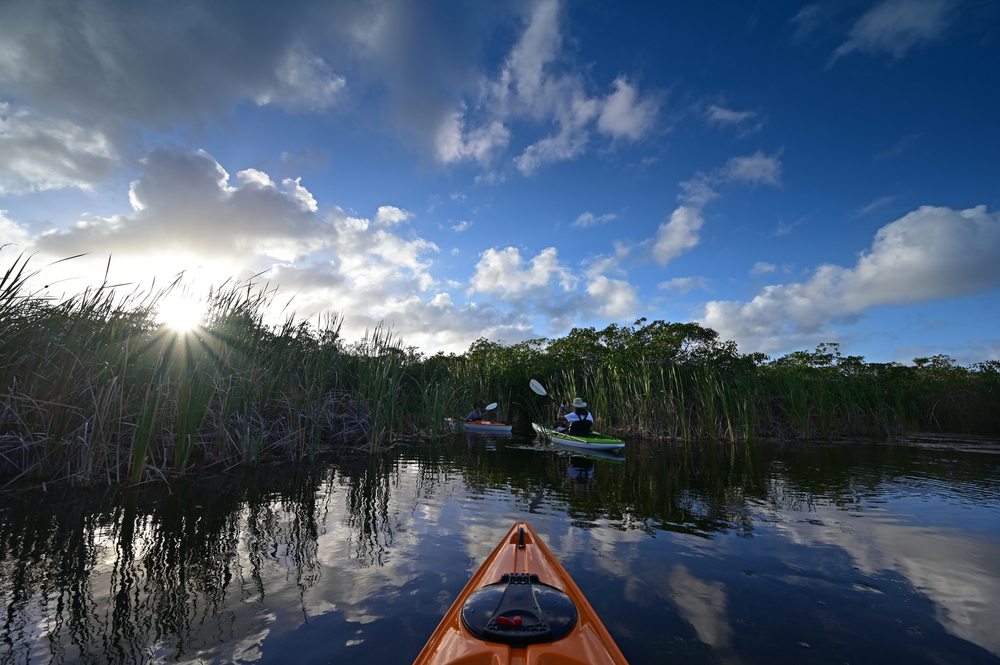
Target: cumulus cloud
x=615 y=298
x=929 y=254
x=547 y=289
x=506 y=273
x=189 y=215
x=454 y=144
x=390 y=216
x=894 y=27
x=529 y=87
x=624 y=115
x=96 y=75
x=677 y=235
x=682 y=231
x=587 y=220
x=185 y=202
x=462 y=226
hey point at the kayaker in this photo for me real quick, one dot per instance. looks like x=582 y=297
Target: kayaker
x=477 y=412
x=579 y=421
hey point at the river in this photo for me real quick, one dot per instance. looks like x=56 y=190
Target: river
x=700 y=552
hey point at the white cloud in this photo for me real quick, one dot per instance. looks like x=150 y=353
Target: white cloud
x=682 y=231
x=880 y=202
x=12 y=233
x=538 y=46
x=391 y=215
x=755 y=169
x=564 y=146
x=454 y=145
x=191 y=216
x=301 y=194
x=110 y=71
x=677 y=235
x=896 y=26
x=762 y=268
x=699 y=190
x=546 y=290
x=806 y=21
x=587 y=220
x=721 y=116
x=302 y=81
x=38 y=154
x=615 y=298
x=929 y=254
x=624 y=115
x=184 y=203
x=504 y=272
x=462 y=226
x=528 y=87
x=682 y=285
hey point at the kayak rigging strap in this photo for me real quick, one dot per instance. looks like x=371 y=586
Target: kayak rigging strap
x=519 y=610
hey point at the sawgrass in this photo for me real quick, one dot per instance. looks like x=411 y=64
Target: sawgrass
x=94 y=390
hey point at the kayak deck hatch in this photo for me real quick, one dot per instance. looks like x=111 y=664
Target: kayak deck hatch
x=521 y=607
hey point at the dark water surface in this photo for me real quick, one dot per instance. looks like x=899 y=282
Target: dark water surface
x=699 y=553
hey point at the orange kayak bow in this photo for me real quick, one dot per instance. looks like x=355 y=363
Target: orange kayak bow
x=521 y=607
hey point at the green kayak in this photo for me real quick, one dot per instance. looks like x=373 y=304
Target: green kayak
x=593 y=442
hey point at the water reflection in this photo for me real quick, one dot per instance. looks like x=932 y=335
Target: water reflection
x=712 y=551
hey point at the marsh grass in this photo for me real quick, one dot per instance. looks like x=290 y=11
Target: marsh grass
x=94 y=390
x=663 y=381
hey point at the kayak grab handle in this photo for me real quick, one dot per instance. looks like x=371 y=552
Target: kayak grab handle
x=519 y=610
x=520 y=538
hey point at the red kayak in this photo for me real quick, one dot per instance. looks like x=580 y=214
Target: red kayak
x=520 y=607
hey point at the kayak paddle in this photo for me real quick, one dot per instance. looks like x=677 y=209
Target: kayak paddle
x=537 y=388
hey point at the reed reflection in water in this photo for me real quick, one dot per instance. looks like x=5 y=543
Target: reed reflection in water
x=711 y=552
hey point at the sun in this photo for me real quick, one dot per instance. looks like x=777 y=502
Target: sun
x=181 y=314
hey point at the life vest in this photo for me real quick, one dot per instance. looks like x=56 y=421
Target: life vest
x=581 y=426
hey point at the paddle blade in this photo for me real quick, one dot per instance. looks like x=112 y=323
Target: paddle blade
x=537 y=388
x=490 y=407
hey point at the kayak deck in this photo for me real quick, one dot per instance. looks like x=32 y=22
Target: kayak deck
x=521 y=552
x=593 y=442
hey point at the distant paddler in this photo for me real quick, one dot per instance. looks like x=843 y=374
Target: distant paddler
x=577 y=422
x=478 y=411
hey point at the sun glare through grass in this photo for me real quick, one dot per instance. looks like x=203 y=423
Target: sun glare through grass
x=182 y=314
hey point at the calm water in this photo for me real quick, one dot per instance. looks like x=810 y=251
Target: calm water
x=705 y=553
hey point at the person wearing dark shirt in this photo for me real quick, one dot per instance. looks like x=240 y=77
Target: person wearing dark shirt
x=477 y=412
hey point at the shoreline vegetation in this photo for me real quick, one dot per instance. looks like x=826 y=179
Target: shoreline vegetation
x=93 y=390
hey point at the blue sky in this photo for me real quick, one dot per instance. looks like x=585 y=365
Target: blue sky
x=786 y=173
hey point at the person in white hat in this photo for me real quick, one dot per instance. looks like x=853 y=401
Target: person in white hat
x=579 y=421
